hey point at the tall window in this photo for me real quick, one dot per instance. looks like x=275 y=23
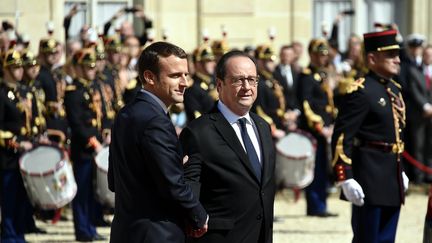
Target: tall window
x=325 y=12
x=94 y=17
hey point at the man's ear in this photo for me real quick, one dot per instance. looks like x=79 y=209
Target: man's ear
x=371 y=58
x=149 y=77
x=218 y=84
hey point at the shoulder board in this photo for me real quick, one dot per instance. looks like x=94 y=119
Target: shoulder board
x=353 y=85
x=70 y=88
x=306 y=71
x=132 y=84
x=396 y=84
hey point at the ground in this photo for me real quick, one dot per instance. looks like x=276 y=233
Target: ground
x=291 y=223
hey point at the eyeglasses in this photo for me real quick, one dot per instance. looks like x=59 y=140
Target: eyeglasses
x=239 y=81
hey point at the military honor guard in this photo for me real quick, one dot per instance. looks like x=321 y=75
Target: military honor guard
x=199 y=98
x=84 y=109
x=318 y=113
x=367 y=143
x=19 y=130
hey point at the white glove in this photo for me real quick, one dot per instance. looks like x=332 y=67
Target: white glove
x=353 y=192
x=405 y=181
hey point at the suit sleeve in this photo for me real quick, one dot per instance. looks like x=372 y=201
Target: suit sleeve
x=353 y=110
x=192 y=169
x=160 y=142
x=414 y=83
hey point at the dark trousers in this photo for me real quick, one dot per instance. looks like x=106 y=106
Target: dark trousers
x=374 y=224
x=14 y=206
x=419 y=135
x=83 y=203
x=316 y=192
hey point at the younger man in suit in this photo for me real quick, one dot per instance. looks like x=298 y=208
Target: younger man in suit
x=152 y=201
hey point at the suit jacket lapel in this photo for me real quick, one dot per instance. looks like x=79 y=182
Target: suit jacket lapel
x=228 y=134
x=265 y=142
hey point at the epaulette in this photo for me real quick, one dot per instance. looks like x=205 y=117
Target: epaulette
x=70 y=87
x=306 y=71
x=396 y=84
x=132 y=84
x=350 y=85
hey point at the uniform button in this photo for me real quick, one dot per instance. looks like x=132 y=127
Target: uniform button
x=262 y=193
x=259 y=217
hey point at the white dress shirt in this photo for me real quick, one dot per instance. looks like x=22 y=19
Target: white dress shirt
x=250 y=127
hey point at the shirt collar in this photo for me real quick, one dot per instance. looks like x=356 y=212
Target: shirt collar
x=159 y=101
x=231 y=116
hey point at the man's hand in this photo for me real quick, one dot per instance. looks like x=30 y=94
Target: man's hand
x=196 y=233
x=353 y=192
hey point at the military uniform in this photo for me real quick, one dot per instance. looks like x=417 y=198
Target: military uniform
x=54 y=93
x=84 y=108
x=270 y=102
x=200 y=97
x=367 y=144
x=18 y=123
x=318 y=111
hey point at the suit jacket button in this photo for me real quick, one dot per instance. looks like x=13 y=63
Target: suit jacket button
x=259 y=217
x=262 y=193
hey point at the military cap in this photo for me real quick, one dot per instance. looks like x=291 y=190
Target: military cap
x=113 y=44
x=319 y=45
x=415 y=40
x=203 y=53
x=381 y=41
x=265 y=52
x=100 y=52
x=85 y=57
x=48 y=45
x=219 y=47
x=12 y=58
x=29 y=59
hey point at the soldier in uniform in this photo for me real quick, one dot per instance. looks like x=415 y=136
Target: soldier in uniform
x=83 y=105
x=200 y=97
x=367 y=143
x=53 y=89
x=270 y=103
x=318 y=113
x=18 y=131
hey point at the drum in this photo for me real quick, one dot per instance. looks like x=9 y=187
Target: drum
x=295 y=160
x=48 y=177
x=103 y=194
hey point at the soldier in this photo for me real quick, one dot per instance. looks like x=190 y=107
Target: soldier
x=270 y=103
x=18 y=131
x=318 y=112
x=367 y=143
x=199 y=98
x=54 y=90
x=83 y=105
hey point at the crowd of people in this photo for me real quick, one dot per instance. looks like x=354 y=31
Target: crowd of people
x=209 y=167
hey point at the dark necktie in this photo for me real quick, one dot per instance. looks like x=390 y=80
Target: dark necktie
x=250 y=149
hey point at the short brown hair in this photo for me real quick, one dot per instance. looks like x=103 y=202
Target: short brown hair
x=149 y=58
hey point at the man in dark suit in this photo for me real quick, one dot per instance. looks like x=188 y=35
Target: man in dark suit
x=152 y=200
x=287 y=77
x=232 y=158
x=367 y=143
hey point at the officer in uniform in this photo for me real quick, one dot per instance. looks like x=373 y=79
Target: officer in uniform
x=53 y=89
x=318 y=113
x=199 y=98
x=270 y=102
x=83 y=106
x=18 y=131
x=367 y=143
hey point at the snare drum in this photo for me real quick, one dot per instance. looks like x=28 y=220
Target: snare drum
x=48 y=177
x=295 y=160
x=103 y=193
